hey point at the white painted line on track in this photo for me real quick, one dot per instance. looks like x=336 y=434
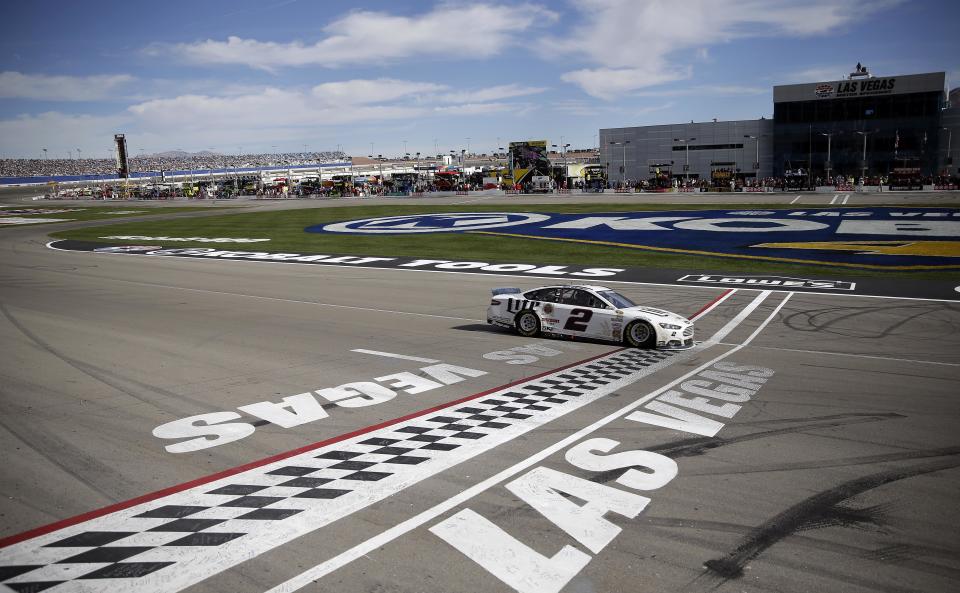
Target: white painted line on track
x=713 y=304
x=772 y=315
x=794 y=201
x=850 y=355
x=552 y=279
x=392 y=355
x=733 y=323
x=834 y=200
x=845 y=198
x=307 y=577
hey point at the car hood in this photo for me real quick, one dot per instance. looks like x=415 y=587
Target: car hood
x=657 y=314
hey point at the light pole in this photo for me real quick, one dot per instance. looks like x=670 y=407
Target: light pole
x=380 y=162
x=563 y=157
x=829 y=166
x=468 y=144
x=949 y=160
x=863 y=165
x=756 y=163
x=405 y=147
x=623 y=168
x=510 y=164
x=686 y=167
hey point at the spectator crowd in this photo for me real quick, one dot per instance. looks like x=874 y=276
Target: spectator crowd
x=163 y=162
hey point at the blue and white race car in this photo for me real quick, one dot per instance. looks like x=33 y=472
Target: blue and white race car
x=595 y=312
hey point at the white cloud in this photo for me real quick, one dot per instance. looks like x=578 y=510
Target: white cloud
x=16 y=85
x=705 y=90
x=817 y=73
x=267 y=115
x=631 y=42
x=268 y=109
x=372 y=91
x=610 y=83
x=455 y=30
x=476 y=108
x=59 y=132
x=493 y=93
x=332 y=103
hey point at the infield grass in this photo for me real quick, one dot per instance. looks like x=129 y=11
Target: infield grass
x=285 y=229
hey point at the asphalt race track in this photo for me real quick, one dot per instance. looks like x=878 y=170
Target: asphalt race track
x=226 y=426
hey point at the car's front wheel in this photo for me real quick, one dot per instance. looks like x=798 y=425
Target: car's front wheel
x=640 y=334
x=528 y=324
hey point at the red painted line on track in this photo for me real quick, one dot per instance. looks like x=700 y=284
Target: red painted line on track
x=45 y=529
x=722 y=295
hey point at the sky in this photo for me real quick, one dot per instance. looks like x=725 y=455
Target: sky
x=398 y=76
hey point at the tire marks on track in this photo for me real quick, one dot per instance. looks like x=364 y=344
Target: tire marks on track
x=822 y=510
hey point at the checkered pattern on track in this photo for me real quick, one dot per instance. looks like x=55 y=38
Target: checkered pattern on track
x=173 y=542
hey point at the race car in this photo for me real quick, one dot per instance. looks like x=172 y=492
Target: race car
x=595 y=312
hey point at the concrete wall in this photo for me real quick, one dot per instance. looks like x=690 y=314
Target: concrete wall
x=655 y=144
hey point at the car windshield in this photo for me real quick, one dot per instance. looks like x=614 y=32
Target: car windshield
x=617 y=300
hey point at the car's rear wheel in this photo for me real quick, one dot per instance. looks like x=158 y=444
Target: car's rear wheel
x=527 y=323
x=640 y=334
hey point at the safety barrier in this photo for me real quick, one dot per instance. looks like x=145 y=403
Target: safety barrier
x=754 y=189
x=843 y=188
x=461 y=192
x=945 y=187
x=511 y=191
x=623 y=190
x=416 y=194
x=563 y=191
x=687 y=189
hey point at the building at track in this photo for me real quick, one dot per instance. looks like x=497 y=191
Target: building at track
x=862 y=124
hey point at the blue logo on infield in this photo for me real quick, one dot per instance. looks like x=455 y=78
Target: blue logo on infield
x=432 y=223
x=875 y=237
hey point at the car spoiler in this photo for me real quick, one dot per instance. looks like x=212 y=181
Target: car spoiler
x=504 y=290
